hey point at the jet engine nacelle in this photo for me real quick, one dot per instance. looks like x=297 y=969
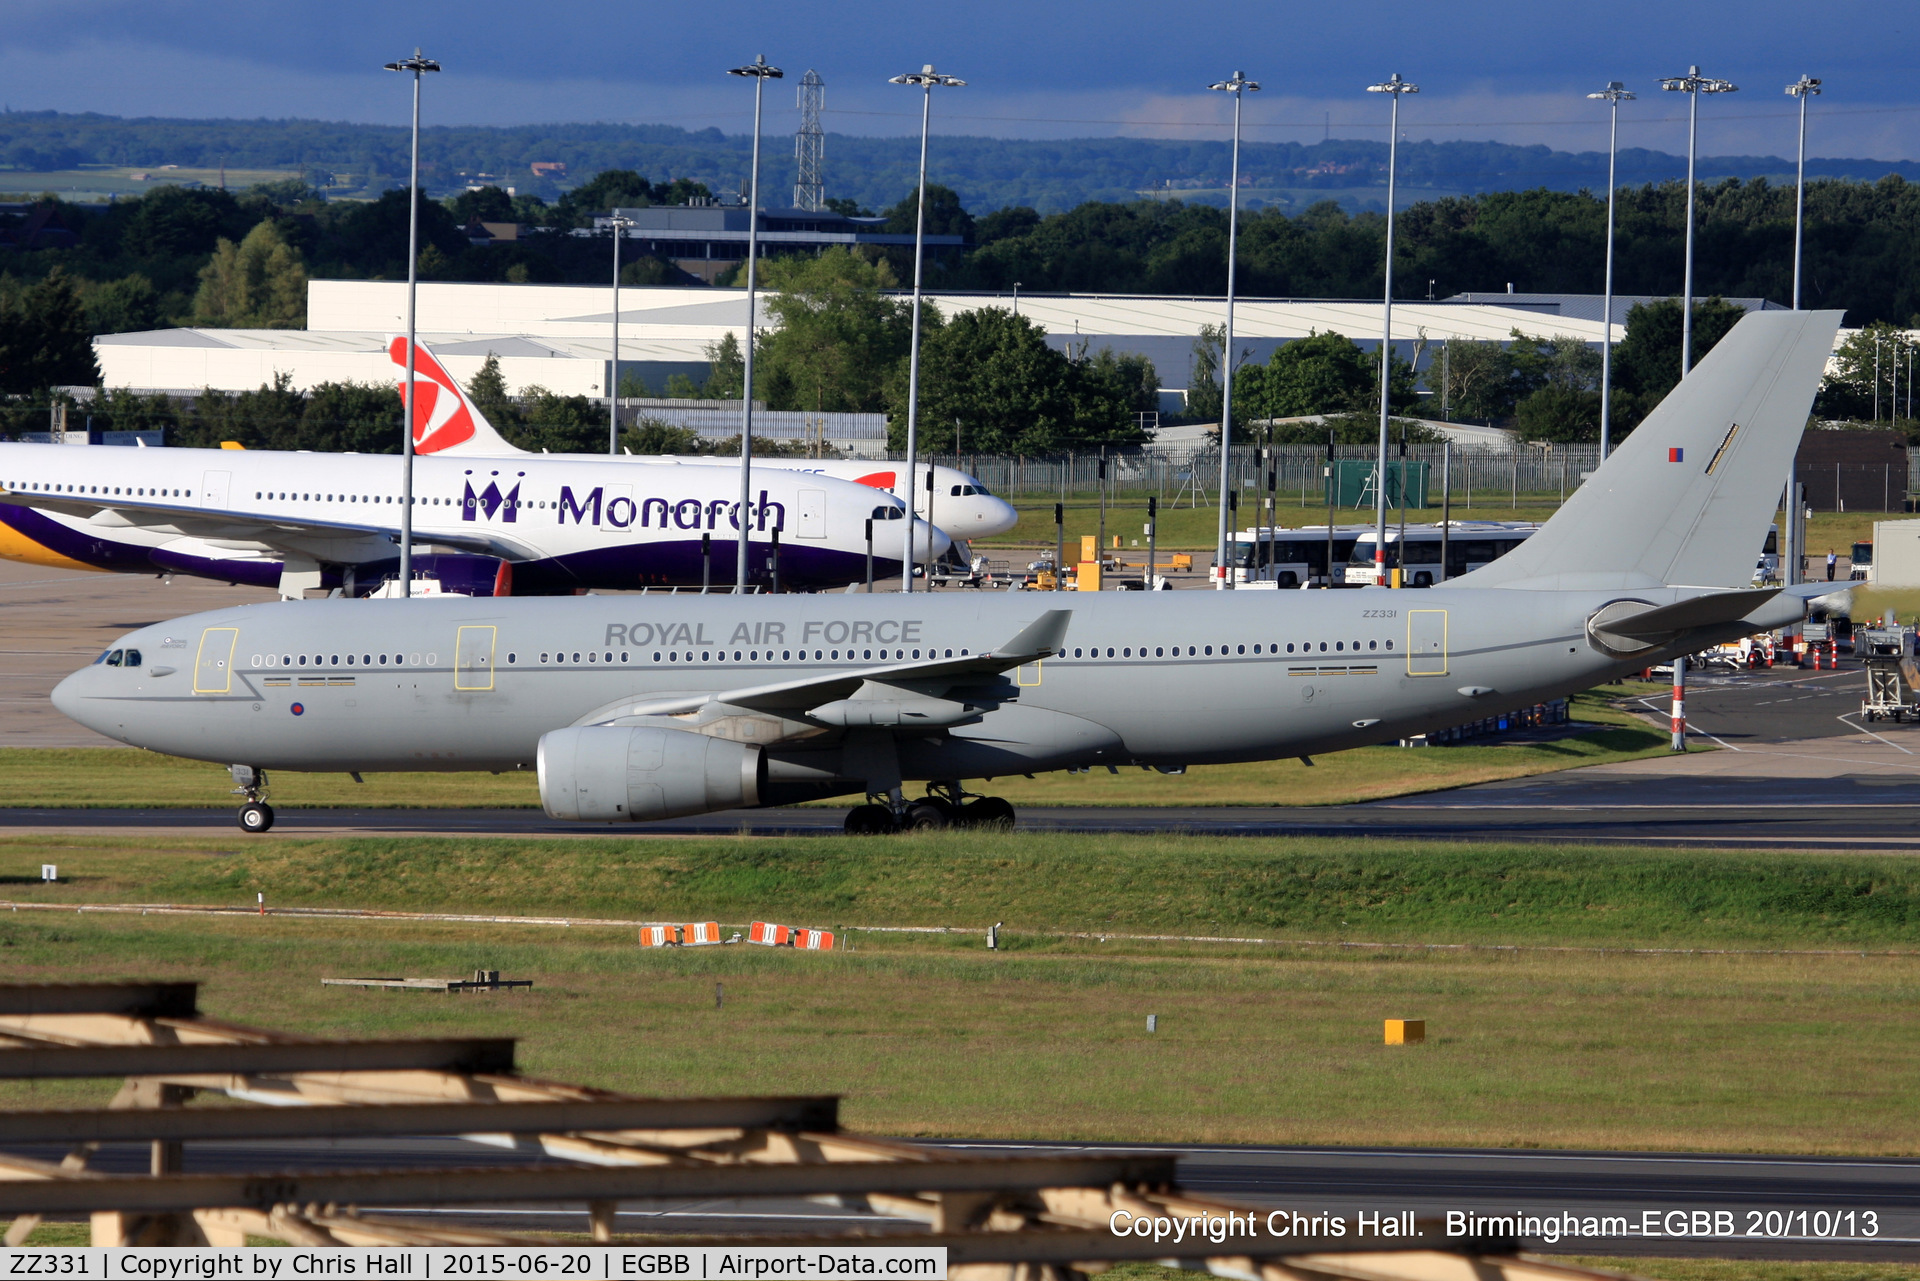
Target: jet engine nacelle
x=625 y=773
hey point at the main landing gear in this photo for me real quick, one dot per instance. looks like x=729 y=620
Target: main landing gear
x=256 y=815
x=946 y=805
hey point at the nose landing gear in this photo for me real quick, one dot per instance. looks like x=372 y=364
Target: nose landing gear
x=255 y=815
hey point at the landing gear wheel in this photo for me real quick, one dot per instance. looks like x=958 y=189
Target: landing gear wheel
x=256 y=817
x=988 y=811
x=930 y=815
x=870 y=820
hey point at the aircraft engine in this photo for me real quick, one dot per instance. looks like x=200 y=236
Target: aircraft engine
x=623 y=773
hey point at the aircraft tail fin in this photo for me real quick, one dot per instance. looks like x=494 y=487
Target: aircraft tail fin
x=445 y=421
x=1685 y=499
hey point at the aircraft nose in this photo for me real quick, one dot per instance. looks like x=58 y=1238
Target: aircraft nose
x=71 y=700
x=999 y=517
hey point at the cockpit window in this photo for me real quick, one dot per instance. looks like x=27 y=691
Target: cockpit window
x=105 y=654
x=115 y=658
x=133 y=658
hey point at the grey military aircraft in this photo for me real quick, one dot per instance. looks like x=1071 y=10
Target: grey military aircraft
x=640 y=707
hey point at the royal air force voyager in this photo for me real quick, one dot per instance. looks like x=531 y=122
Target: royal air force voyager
x=510 y=522
x=635 y=708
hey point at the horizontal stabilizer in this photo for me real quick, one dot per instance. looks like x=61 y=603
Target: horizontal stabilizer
x=1684 y=616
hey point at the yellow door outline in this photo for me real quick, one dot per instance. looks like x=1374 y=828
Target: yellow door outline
x=221 y=661
x=1426 y=664
x=1020 y=674
x=466 y=673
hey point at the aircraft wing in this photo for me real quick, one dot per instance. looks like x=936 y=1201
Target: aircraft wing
x=270 y=531
x=1037 y=640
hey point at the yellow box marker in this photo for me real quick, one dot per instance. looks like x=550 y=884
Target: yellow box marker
x=1406 y=1031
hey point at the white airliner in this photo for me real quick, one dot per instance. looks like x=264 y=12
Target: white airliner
x=957 y=502
x=489 y=519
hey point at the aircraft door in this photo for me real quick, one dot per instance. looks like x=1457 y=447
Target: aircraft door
x=213 y=488
x=619 y=512
x=473 y=658
x=1426 y=642
x=811 y=519
x=213 y=667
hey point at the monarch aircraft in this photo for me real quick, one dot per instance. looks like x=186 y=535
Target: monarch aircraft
x=505 y=522
x=645 y=707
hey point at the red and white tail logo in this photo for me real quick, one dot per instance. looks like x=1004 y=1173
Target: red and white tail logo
x=443 y=418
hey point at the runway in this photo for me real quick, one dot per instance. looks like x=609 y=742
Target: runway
x=1754 y=1206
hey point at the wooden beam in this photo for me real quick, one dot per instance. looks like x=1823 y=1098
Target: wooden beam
x=474 y=1054
x=139 y=1000
x=121 y=1126
x=183 y=1192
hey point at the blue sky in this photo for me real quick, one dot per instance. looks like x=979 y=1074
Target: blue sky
x=1499 y=69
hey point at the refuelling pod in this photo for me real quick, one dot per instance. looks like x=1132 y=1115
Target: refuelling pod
x=626 y=773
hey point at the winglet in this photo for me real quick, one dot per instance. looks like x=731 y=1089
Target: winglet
x=445 y=421
x=1039 y=638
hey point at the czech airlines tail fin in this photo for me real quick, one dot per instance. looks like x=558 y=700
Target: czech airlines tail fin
x=445 y=421
x=1685 y=500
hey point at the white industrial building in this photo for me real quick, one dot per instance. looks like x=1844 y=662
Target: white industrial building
x=558 y=336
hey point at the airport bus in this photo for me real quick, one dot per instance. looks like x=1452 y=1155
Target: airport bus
x=1290 y=558
x=1467 y=544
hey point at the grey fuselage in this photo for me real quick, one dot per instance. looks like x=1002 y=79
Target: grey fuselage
x=1151 y=679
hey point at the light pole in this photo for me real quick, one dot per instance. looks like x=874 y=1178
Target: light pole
x=416 y=64
x=1614 y=94
x=1239 y=86
x=924 y=79
x=760 y=73
x=1804 y=88
x=618 y=226
x=1393 y=87
x=1693 y=84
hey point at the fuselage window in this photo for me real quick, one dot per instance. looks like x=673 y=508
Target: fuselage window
x=672 y=657
x=706 y=656
x=1323 y=647
x=786 y=655
x=383 y=660
x=1389 y=644
x=835 y=654
x=349 y=660
x=303 y=660
x=512 y=658
x=753 y=655
x=1373 y=644
x=543 y=657
x=1158 y=652
x=1289 y=649
x=592 y=657
x=1076 y=653
x=624 y=656
x=1256 y=649
x=256 y=660
x=1209 y=651
x=286 y=660
x=656 y=655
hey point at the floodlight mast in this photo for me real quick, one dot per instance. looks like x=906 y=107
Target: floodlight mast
x=1613 y=95
x=618 y=226
x=760 y=73
x=1393 y=87
x=925 y=79
x=417 y=64
x=1693 y=84
x=1804 y=88
x=1239 y=86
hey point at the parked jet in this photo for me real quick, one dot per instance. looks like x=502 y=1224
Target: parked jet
x=503 y=521
x=636 y=708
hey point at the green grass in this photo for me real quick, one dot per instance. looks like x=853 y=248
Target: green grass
x=937 y=1036
x=1750 y=1269
x=1302 y=888
x=106 y=778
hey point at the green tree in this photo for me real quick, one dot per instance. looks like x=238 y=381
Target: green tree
x=727 y=369
x=992 y=374
x=1203 y=376
x=44 y=338
x=837 y=337
x=127 y=305
x=484 y=204
x=362 y=418
x=1646 y=362
x=1868 y=355
x=259 y=283
x=488 y=392
x=1475 y=377
x=1323 y=373
x=1557 y=412
x=946 y=216
x=652 y=436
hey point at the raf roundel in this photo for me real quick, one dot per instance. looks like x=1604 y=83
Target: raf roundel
x=298 y=709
